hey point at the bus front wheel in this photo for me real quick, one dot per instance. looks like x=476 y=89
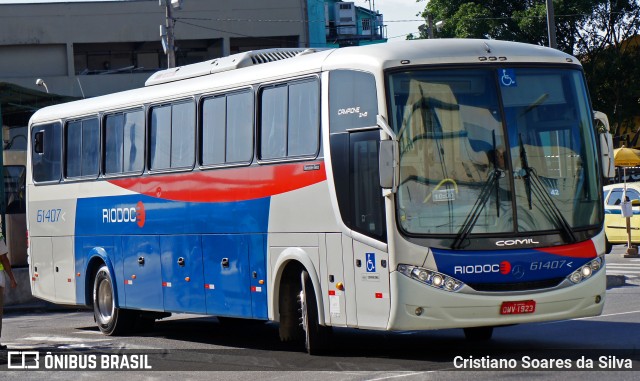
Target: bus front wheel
x=315 y=335
x=110 y=320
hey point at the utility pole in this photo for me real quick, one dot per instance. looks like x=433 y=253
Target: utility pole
x=430 y=22
x=551 y=25
x=166 y=31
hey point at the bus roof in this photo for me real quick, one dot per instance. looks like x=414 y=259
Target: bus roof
x=298 y=62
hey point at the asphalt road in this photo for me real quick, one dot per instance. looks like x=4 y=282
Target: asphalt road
x=189 y=347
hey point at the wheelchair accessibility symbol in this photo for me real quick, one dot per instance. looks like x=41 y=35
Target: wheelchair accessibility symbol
x=371 y=262
x=507 y=77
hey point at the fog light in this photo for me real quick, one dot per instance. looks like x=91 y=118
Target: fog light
x=419 y=311
x=598 y=299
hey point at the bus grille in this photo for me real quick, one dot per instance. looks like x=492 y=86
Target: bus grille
x=523 y=286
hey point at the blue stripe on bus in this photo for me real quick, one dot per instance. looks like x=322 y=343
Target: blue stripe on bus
x=506 y=266
x=178 y=256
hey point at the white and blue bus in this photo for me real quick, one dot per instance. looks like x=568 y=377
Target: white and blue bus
x=412 y=185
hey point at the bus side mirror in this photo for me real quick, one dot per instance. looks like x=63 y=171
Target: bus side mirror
x=388 y=164
x=606 y=143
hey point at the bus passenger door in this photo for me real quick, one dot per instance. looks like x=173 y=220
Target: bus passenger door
x=142 y=272
x=182 y=274
x=42 y=282
x=226 y=275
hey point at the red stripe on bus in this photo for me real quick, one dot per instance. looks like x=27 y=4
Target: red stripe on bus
x=584 y=249
x=227 y=185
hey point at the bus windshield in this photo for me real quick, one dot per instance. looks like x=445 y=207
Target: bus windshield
x=496 y=150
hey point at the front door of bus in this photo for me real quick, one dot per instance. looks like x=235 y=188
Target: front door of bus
x=355 y=169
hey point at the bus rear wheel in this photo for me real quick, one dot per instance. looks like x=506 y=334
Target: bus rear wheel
x=111 y=320
x=478 y=333
x=315 y=335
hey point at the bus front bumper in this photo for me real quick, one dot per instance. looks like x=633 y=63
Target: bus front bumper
x=416 y=306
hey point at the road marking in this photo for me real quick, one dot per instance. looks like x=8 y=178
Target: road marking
x=607 y=315
x=400 y=375
x=592 y=317
x=623 y=268
x=62 y=339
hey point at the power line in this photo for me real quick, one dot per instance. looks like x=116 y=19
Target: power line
x=236 y=33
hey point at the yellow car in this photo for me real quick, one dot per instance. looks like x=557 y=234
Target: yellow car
x=615 y=226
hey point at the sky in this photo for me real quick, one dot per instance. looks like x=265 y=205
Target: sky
x=395 y=13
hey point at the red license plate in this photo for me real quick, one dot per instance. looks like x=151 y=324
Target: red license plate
x=520 y=307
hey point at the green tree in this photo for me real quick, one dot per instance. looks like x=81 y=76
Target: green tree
x=603 y=34
x=609 y=48
x=513 y=20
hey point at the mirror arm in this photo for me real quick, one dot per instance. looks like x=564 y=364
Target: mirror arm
x=382 y=123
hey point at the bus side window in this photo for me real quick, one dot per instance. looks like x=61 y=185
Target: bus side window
x=46 y=162
x=290 y=120
x=227 y=129
x=172 y=135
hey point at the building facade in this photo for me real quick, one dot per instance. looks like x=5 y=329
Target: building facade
x=93 y=48
x=85 y=49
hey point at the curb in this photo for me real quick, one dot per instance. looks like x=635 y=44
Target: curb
x=616 y=281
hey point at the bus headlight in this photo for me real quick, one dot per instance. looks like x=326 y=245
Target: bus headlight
x=431 y=278
x=586 y=271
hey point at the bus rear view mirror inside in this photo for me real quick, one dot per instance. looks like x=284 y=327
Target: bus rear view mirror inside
x=38 y=142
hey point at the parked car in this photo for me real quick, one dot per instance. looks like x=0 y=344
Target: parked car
x=615 y=226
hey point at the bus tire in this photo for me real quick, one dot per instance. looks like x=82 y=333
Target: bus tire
x=607 y=246
x=478 y=333
x=315 y=335
x=111 y=321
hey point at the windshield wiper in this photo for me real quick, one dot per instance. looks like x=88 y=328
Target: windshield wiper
x=525 y=166
x=534 y=185
x=485 y=192
x=481 y=201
